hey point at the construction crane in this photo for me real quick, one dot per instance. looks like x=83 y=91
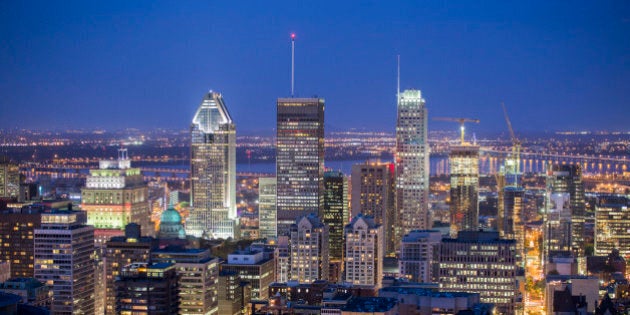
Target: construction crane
x=461 y=122
x=513 y=168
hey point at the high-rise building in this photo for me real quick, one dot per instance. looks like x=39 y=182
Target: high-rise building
x=9 y=178
x=412 y=164
x=309 y=242
x=213 y=171
x=64 y=249
x=373 y=194
x=197 y=278
x=143 y=288
x=464 y=164
x=557 y=225
x=121 y=251
x=253 y=267
x=612 y=222
x=335 y=214
x=512 y=220
x=114 y=195
x=299 y=159
x=568 y=179
x=480 y=262
x=283 y=259
x=231 y=295
x=17 y=232
x=419 y=255
x=364 y=253
x=267 y=212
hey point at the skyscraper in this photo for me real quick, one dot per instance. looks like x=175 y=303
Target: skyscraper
x=213 y=171
x=612 y=219
x=419 y=255
x=512 y=221
x=267 y=212
x=568 y=179
x=464 y=163
x=364 y=253
x=299 y=159
x=20 y=225
x=335 y=212
x=9 y=178
x=147 y=289
x=412 y=164
x=64 y=248
x=309 y=249
x=373 y=194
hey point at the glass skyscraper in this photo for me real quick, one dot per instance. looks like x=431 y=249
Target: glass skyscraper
x=213 y=171
x=299 y=159
x=464 y=163
x=412 y=164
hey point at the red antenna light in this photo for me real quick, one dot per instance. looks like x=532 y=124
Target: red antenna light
x=292 y=35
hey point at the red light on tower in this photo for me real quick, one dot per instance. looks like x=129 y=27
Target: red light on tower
x=292 y=36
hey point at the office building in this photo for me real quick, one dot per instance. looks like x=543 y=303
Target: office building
x=480 y=262
x=143 y=288
x=373 y=187
x=197 y=278
x=419 y=252
x=612 y=222
x=299 y=159
x=568 y=179
x=121 y=251
x=364 y=253
x=17 y=232
x=254 y=268
x=412 y=164
x=267 y=212
x=464 y=164
x=336 y=215
x=64 y=249
x=421 y=301
x=309 y=243
x=114 y=195
x=512 y=221
x=231 y=294
x=283 y=259
x=213 y=171
x=9 y=179
x=557 y=225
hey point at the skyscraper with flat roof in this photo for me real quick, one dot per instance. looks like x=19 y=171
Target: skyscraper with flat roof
x=299 y=159
x=213 y=171
x=335 y=212
x=267 y=212
x=568 y=179
x=464 y=163
x=412 y=164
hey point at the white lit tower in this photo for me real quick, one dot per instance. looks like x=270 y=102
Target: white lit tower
x=213 y=171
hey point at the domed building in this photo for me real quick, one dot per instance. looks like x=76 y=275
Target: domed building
x=171 y=226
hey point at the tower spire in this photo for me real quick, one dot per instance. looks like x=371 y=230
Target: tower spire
x=398 y=80
x=292 y=64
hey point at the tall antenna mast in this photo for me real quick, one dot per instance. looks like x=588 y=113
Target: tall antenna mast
x=292 y=64
x=398 y=83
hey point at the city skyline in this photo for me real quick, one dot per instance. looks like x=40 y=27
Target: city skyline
x=104 y=65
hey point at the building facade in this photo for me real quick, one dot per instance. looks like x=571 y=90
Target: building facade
x=412 y=164
x=143 y=288
x=464 y=164
x=213 y=171
x=267 y=212
x=335 y=213
x=364 y=253
x=9 y=179
x=64 y=260
x=373 y=194
x=299 y=159
x=309 y=243
x=568 y=179
x=419 y=253
x=254 y=268
x=17 y=233
x=612 y=219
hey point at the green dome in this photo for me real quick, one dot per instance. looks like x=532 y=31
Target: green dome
x=171 y=216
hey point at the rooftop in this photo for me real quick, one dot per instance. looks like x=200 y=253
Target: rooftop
x=370 y=304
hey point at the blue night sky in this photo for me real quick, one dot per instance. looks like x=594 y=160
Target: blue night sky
x=557 y=65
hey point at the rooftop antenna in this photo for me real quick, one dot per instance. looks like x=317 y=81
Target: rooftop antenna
x=292 y=64
x=398 y=81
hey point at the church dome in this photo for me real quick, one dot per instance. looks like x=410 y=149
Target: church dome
x=170 y=216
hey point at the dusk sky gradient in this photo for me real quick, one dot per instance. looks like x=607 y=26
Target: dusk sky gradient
x=557 y=65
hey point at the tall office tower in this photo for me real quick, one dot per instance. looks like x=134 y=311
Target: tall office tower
x=299 y=159
x=419 y=255
x=557 y=224
x=253 y=267
x=115 y=194
x=213 y=171
x=309 y=249
x=464 y=162
x=568 y=179
x=335 y=215
x=143 y=288
x=512 y=221
x=9 y=178
x=17 y=230
x=373 y=194
x=230 y=296
x=480 y=262
x=267 y=212
x=121 y=251
x=364 y=253
x=64 y=243
x=612 y=222
x=412 y=164
x=197 y=278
